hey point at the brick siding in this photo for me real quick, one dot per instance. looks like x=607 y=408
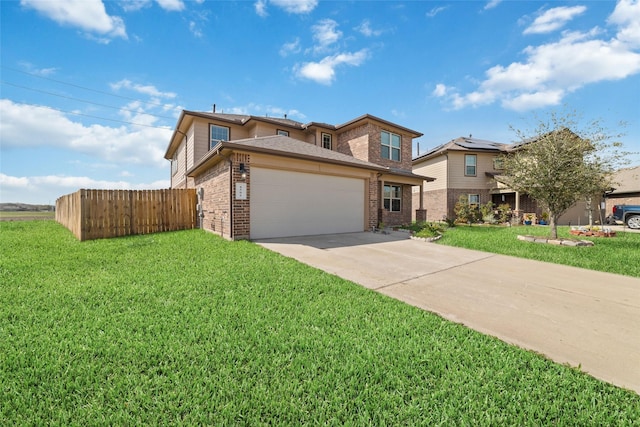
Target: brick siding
x=241 y=208
x=215 y=203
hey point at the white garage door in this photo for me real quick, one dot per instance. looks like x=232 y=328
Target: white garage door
x=285 y=203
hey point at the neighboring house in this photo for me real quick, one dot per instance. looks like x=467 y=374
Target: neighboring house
x=262 y=177
x=626 y=189
x=468 y=167
x=465 y=167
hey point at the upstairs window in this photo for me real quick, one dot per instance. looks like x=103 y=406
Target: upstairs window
x=282 y=132
x=390 y=148
x=326 y=141
x=392 y=198
x=498 y=163
x=174 y=164
x=218 y=134
x=470 y=162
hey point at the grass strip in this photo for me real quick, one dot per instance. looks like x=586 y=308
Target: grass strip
x=619 y=254
x=186 y=328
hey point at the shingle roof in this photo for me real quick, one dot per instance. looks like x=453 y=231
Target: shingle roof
x=290 y=147
x=285 y=145
x=627 y=180
x=464 y=144
x=241 y=119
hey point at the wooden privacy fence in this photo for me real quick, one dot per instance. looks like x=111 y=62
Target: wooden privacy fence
x=96 y=214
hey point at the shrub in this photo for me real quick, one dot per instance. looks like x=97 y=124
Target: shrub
x=487 y=212
x=430 y=229
x=504 y=212
x=465 y=212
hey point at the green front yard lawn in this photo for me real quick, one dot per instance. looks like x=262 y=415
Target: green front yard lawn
x=186 y=328
x=619 y=254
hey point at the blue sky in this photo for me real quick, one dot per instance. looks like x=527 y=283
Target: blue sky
x=91 y=90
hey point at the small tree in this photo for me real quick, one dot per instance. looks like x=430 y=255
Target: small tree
x=562 y=161
x=465 y=212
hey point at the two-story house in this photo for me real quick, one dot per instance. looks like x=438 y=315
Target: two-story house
x=263 y=177
x=465 y=167
x=469 y=167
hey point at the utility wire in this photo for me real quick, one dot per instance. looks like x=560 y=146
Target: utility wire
x=98 y=117
x=83 y=100
x=157 y=104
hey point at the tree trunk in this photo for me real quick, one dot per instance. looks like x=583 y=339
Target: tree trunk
x=553 y=225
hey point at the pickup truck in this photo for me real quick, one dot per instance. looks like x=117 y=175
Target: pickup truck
x=628 y=214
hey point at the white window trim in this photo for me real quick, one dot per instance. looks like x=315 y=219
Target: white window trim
x=174 y=164
x=282 y=132
x=323 y=134
x=473 y=203
x=214 y=142
x=475 y=165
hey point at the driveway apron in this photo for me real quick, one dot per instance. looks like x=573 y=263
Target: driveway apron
x=573 y=316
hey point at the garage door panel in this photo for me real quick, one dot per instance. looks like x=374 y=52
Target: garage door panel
x=287 y=203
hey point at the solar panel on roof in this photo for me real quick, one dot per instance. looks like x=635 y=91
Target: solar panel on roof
x=479 y=145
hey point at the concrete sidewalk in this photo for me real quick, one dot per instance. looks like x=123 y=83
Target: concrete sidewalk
x=571 y=315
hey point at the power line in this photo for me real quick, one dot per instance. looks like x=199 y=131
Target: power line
x=157 y=104
x=98 y=117
x=82 y=100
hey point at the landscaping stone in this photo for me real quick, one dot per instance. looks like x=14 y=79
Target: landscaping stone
x=426 y=239
x=562 y=242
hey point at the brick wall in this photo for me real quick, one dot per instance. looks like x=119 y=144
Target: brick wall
x=241 y=211
x=355 y=142
x=398 y=218
x=435 y=202
x=374 y=201
x=363 y=142
x=216 y=198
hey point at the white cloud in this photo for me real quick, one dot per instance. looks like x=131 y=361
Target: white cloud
x=43 y=72
x=436 y=10
x=491 y=4
x=627 y=17
x=325 y=34
x=554 y=19
x=365 y=29
x=295 y=6
x=134 y=5
x=323 y=72
x=143 y=89
x=261 y=8
x=89 y=15
x=290 y=48
x=47 y=188
x=171 y=5
x=195 y=29
x=551 y=71
x=440 y=90
x=26 y=125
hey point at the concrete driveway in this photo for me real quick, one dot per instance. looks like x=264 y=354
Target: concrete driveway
x=571 y=315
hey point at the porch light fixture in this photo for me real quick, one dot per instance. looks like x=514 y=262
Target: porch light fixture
x=243 y=171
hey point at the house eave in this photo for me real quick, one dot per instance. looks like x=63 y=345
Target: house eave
x=369 y=117
x=216 y=154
